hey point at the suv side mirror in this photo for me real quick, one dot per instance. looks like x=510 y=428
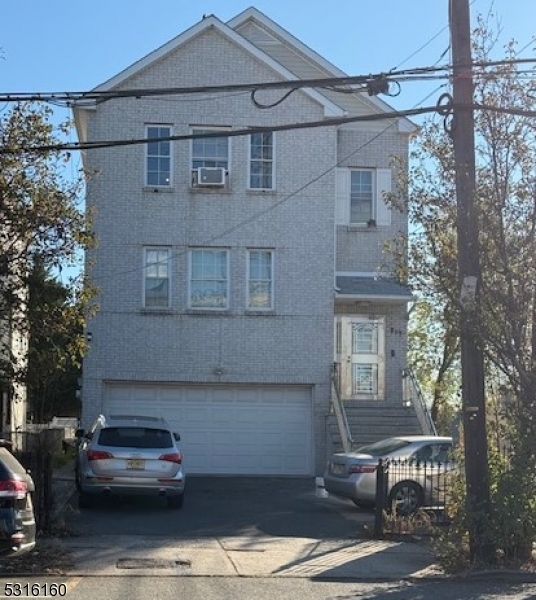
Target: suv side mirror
x=79 y=433
x=177 y=437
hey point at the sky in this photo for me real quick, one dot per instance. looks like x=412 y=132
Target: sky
x=61 y=45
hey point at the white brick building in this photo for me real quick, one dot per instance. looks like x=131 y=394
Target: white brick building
x=227 y=265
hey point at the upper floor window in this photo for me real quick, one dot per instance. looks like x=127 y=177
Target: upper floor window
x=156 y=289
x=260 y=279
x=360 y=197
x=261 y=161
x=210 y=159
x=209 y=281
x=158 y=160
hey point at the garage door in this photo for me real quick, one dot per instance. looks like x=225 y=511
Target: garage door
x=253 y=430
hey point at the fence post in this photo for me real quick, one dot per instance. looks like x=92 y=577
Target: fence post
x=380 y=500
x=47 y=490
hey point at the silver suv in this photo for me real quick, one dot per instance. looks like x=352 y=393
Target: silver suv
x=129 y=456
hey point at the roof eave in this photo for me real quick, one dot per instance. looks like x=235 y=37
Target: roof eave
x=375 y=298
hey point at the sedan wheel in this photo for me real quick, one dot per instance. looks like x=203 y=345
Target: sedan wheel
x=405 y=498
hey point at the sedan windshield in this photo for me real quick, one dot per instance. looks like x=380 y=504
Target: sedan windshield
x=383 y=447
x=135 y=437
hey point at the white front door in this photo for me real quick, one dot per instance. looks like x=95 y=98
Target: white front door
x=360 y=351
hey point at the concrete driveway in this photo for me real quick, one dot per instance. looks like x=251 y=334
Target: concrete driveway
x=228 y=506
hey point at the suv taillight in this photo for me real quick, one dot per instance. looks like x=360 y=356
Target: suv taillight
x=98 y=455
x=13 y=488
x=174 y=457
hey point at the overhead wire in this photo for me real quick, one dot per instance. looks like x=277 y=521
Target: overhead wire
x=328 y=122
x=359 y=80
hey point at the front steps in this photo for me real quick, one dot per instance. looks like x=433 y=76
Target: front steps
x=372 y=422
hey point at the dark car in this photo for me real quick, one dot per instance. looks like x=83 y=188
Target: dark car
x=17 y=520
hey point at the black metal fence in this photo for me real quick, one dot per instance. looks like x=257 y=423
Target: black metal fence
x=35 y=451
x=407 y=488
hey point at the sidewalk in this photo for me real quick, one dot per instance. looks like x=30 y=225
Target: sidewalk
x=330 y=560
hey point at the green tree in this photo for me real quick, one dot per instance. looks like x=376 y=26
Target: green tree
x=506 y=204
x=56 y=346
x=44 y=225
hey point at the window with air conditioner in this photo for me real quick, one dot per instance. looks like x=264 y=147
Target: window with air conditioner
x=210 y=158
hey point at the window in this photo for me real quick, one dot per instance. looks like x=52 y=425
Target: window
x=156 y=280
x=261 y=163
x=360 y=351
x=260 y=279
x=210 y=152
x=158 y=166
x=209 y=279
x=361 y=197
x=135 y=437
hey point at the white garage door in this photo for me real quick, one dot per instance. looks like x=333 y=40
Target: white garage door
x=253 y=430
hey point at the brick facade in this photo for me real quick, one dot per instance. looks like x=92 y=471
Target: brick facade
x=293 y=344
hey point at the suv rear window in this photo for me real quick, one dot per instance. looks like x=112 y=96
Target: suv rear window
x=135 y=437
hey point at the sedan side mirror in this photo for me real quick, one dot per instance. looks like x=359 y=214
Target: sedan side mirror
x=177 y=437
x=79 y=433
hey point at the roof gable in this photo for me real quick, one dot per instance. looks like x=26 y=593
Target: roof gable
x=330 y=108
x=266 y=34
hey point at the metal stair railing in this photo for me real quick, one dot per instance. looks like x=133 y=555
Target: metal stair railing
x=340 y=412
x=414 y=396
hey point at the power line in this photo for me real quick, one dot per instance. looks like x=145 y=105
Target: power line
x=79 y=98
x=329 y=122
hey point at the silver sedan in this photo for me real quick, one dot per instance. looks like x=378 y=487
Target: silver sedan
x=415 y=461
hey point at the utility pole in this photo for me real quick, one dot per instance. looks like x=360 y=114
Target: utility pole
x=469 y=279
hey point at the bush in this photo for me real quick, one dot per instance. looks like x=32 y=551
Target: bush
x=510 y=528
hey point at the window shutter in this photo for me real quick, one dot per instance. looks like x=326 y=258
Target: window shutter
x=342 y=197
x=383 y=185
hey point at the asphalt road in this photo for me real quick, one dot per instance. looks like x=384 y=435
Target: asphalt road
x=227 y=506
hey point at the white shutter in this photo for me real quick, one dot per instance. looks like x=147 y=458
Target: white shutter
x=342 y=197
x=383 y=185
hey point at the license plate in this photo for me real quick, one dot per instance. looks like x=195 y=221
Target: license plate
x=136 y=463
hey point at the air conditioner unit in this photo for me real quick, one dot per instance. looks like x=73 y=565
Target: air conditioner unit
x=210 y=176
